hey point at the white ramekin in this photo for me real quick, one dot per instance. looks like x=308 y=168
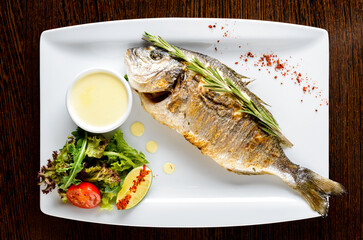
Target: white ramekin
x=99 y=129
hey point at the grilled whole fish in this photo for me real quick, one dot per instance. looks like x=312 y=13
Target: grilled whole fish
x=175 y=97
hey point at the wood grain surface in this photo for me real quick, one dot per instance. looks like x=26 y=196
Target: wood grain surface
x=22 y=22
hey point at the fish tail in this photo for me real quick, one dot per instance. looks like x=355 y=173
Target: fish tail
x=316 y=189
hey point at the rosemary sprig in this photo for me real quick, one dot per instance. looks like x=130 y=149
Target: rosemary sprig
x=217 y=83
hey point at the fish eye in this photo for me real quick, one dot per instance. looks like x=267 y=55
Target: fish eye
x=155 y=55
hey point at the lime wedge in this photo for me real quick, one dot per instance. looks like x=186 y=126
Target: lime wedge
x=134 y=188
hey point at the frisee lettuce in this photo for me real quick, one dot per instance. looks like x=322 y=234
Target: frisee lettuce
x=98 y=174
x=96 y=146
x=52 y=173
x=95 y=159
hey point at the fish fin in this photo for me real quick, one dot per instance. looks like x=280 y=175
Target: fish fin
x=263 y=102
x=316 y=189
x=249 y=81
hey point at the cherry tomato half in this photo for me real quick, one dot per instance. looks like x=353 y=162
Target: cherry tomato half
x=84 y=195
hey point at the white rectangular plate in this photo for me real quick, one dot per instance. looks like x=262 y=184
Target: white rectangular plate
x=199 y=193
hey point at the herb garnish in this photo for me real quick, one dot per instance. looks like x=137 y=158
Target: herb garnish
x=217 y=83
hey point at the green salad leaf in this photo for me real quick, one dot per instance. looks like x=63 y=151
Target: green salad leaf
x=76 y=166
x=121 y=156
x=109 y=196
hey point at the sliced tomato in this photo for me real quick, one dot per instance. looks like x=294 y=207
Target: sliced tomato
x=84 y=195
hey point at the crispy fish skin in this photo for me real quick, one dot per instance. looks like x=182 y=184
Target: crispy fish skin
x=175 y=97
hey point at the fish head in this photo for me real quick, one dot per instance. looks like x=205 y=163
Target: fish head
x=151 y=69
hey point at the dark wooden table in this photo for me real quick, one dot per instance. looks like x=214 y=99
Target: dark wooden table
x=22 y=22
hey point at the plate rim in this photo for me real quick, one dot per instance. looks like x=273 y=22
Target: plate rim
x=43 y=38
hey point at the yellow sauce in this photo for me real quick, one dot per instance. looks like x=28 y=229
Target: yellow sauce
x=137 y=129
x=99 y=99
x=168 y=168
x=151 y=146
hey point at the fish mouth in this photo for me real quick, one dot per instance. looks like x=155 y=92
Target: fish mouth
x=156 y=97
